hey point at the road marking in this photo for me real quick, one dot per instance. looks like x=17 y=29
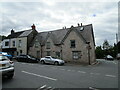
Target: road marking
x=110 y=75
x=40 y=76
x=68 y=70
x=62 y=69
x=81 y=72
x=43 y=87
x=53 y=67
x=23 y=63
x=30 y=64
x=95 y=73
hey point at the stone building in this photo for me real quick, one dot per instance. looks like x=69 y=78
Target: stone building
x=18 y=42
x=74 y=44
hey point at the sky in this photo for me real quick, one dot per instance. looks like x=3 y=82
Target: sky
x=50 y=15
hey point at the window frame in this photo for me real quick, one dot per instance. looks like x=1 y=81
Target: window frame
x=20 y=43
x=76 y=55
x=48 y=45
x=13 y=43
x=72 y=44
x=6 y=43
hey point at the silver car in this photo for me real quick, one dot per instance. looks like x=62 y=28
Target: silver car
x=6 y=67
x=51 y=60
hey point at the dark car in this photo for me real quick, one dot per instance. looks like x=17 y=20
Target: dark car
x=26 y=58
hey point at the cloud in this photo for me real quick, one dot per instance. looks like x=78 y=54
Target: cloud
x=54 y=15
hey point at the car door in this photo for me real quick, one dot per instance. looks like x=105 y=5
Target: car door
x=47 y=60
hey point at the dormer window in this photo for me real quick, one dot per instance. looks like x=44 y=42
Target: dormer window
x=81 y=28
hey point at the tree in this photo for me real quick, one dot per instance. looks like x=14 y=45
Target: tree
x=106 y=45
x=2 y=37
x=99 y=52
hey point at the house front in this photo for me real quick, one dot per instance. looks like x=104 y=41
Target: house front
x=74 y=44
x=18 y=43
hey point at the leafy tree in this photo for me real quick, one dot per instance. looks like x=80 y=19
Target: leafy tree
x=2 y=37
x=99 y=52
x=106 y=45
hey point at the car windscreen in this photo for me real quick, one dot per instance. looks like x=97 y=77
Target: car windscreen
x=4 y=53
x=2 y=58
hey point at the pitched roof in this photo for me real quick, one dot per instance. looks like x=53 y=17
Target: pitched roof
x=58 y=35
x=14 y=35
x=26 y=33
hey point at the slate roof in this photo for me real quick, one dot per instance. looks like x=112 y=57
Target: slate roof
x=26 y=33
x=14 y=35
x=58 y=35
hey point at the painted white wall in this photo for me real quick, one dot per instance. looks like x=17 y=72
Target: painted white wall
x=3 y=43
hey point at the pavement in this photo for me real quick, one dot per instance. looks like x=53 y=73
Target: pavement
x=35 y=75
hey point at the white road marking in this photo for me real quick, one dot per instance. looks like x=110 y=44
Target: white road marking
x=62 y=69
x=53 y=67
x=40 y=76
x=43 y=86
x=68 y=70
x=95 y=73
x=81 y=72
x=110 y=75
x=23 y=63
x=30 y=64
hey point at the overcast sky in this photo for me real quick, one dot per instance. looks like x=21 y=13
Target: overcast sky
x=55 y=15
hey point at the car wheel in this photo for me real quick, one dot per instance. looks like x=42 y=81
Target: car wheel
x=43 y=62
x=56 y=63
x=10 y=76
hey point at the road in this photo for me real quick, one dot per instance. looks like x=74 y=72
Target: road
x=35 y=75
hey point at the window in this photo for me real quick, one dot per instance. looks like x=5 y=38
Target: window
x=20 y=43
x=20 y=51
x=13 y=43
x=76 y=55
x=36 y=44
x=48 y=53
x=48 y=45
x=57 y=54
x=6 y=43
x=72 y=42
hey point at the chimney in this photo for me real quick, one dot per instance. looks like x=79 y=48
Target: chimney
x=81 y=24
x=72 y=26
x=12 y=31
x=33 y=27
x=78 y=24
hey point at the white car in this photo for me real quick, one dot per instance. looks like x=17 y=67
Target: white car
x=6 y=66
x=51 y=60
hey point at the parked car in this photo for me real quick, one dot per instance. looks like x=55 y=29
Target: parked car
x=26 y=58
x=109 y=57
x=118 y=56
x=6 y=54
x=51 y=60
x=6 y=66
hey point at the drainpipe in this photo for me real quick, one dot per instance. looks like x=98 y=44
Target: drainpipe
x=89 y=47
x=61 y=52
x=41 y=51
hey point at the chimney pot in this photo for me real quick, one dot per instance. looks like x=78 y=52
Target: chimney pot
x=33 y=27
x=78 y=24
x=12 y=31
x=81 y=24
